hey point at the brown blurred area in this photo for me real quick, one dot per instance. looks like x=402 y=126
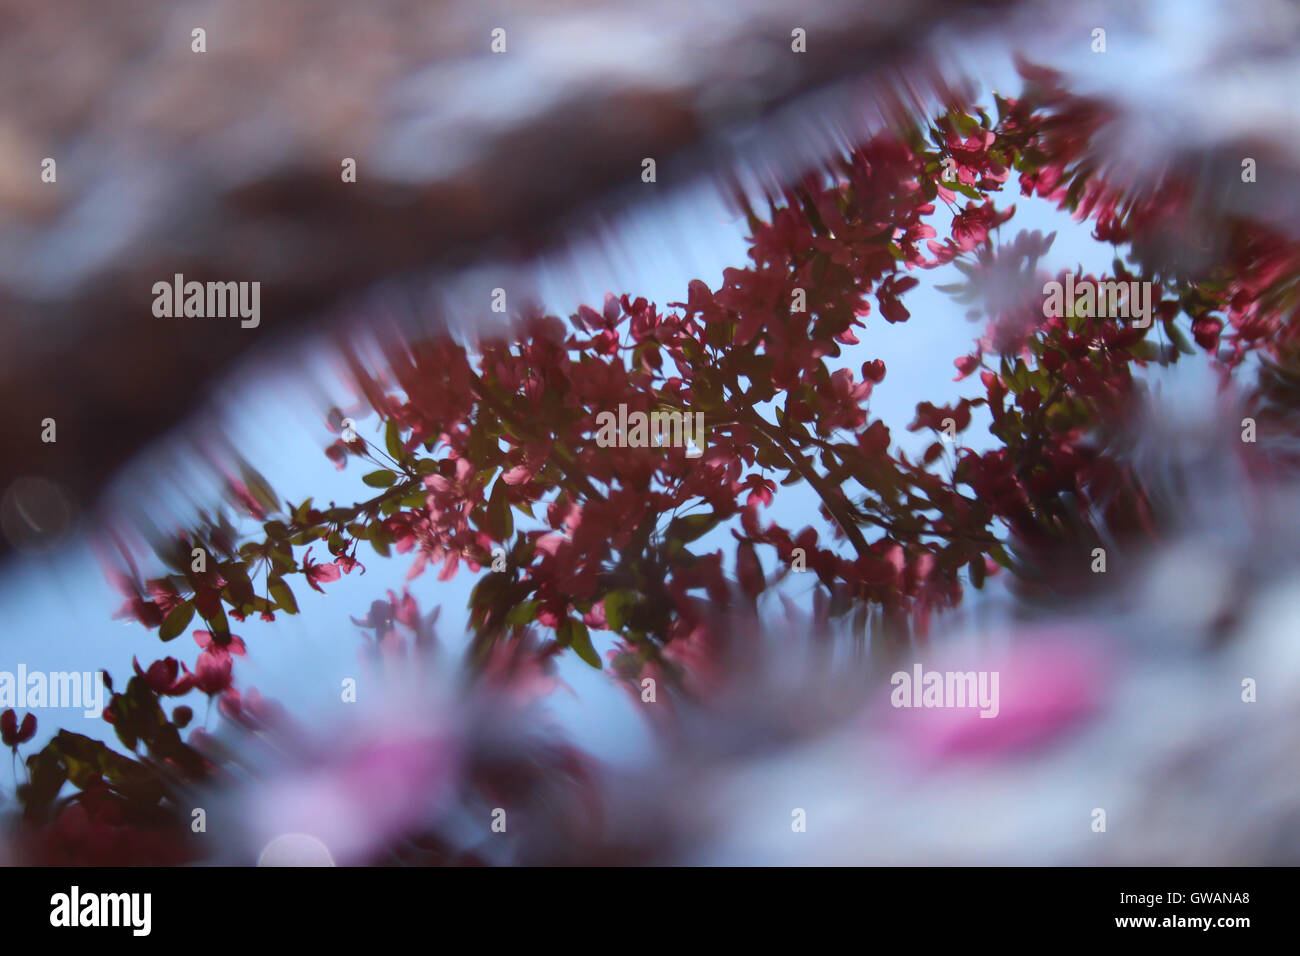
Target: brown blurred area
x=225 y=166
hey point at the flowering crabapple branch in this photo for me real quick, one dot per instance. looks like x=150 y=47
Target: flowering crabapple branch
x=490 y=458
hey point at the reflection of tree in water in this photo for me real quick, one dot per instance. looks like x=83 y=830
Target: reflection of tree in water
x=487 y=451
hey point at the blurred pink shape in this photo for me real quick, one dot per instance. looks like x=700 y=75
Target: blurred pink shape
x=363 y=797
x=1048 y=683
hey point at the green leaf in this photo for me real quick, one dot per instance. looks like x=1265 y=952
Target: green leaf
x=219 y=626
x=999 y=554
x=692 y=526
x=177 y=621
x=1179 y=339
x=1145 y=350
x=282 y=594
x=259 y=488
x=500 y=521
x=617 y=604
x=1019 y=377
x=393 y=440
x=573 y=633
x=382 y=478
x=308 y=536
x=522 y=614
x=284 y=560
x=47 y=776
